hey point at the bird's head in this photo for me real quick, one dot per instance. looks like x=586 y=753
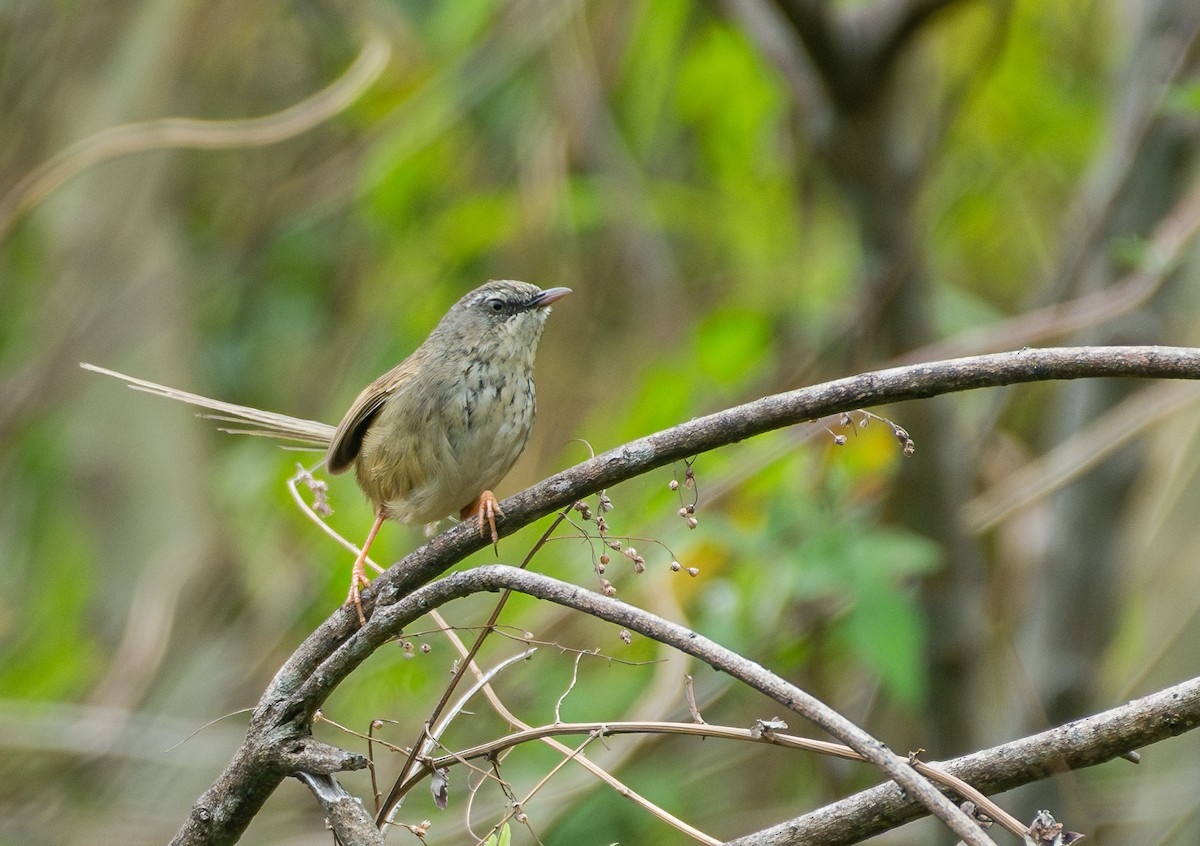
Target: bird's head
x=504 y=313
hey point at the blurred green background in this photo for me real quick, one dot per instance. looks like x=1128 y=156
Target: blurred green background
x=739 y=211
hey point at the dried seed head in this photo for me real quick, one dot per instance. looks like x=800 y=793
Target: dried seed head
x=606 y=504
x=604 y=559
x=676 y=566
x=607 y=588
x=625 y=636
x=693 y=571
x=673 y=484
x=692 y=522
x=426 y=648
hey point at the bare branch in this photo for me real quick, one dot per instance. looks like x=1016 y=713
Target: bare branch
x=1081 y=743
x=284 y=714
x=346 y=816
x=496 y=577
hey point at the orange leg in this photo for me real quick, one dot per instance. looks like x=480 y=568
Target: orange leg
x=358 y=576
x=486 y=508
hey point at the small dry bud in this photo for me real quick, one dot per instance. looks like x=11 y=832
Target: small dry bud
x=692 y=522
x=683 y=512
x=690 y=508
x=426 y=648
x=673 y=484
x=692 y=571
x=607 y=588
x=604 y=559
x=601 y=524
x=676 y=566
x=639 y=565
x=612 y=544
x=840 y=440
x=606 y=504
x=625 y=636
x=845 y=420
x=906 y=441
x=630 y=552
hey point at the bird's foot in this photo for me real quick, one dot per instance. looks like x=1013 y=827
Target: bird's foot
x=486 y=508
x=358 y=577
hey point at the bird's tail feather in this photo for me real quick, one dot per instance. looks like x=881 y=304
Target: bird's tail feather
x=252 y=421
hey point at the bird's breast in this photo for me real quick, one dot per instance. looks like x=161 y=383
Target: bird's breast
x=438 y=445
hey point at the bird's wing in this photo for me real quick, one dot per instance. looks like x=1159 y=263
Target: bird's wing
x=348 y=438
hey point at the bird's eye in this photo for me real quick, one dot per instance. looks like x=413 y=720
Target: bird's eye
x=495 y=305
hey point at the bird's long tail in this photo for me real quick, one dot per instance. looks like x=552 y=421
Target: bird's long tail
x=248 y=421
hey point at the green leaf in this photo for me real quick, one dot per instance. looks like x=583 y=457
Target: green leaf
x=501 y=838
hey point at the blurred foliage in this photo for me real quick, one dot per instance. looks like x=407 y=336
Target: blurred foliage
x=649 y=155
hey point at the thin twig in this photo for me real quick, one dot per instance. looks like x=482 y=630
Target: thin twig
x=395 y=794
x=301 y=475
x=620 y=787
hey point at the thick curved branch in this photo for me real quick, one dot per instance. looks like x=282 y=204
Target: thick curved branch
x=336 y=648
x=882 y=387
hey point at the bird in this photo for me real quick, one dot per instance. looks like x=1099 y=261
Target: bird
x=431 y=437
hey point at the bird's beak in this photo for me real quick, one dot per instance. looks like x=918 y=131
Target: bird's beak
x=550 y=295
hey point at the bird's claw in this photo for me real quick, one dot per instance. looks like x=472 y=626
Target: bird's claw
x=486 y=509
